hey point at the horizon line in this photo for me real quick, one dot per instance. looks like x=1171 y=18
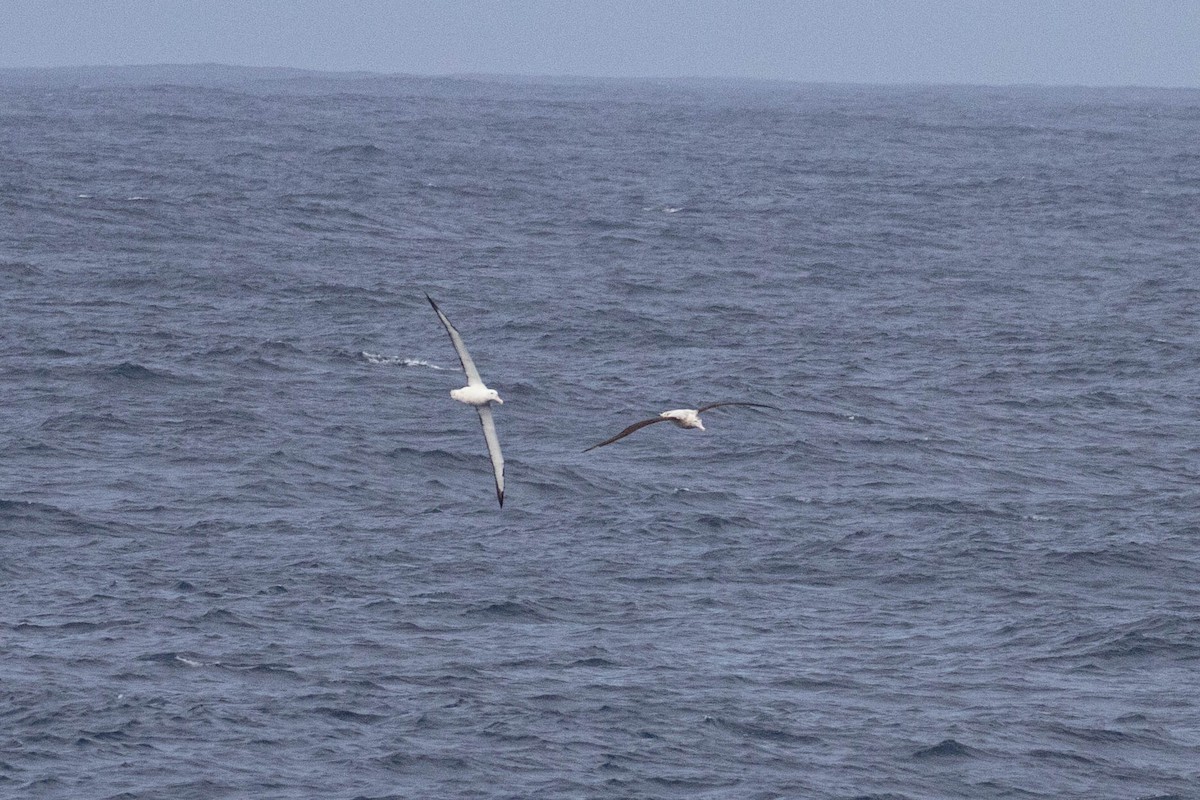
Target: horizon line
x=344 y=73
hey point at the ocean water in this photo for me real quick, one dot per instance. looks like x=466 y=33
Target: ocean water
x=249 y=546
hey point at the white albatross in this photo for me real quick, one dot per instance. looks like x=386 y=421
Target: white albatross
x=682 y=417
x=477 y=394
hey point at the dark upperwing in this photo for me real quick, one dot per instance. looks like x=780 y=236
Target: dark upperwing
x=637 y=426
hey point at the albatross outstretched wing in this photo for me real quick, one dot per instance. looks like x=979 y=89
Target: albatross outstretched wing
x=702 y=409
x=637 y=426
x=464 y=357
x=493 y=446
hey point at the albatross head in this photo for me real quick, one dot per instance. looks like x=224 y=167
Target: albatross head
x=494 y=397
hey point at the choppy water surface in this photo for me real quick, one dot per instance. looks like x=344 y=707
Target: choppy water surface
x=250 y=548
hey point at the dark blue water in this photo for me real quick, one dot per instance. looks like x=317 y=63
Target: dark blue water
x=249 y=546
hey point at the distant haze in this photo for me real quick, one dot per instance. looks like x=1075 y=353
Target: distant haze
x=1083 y=42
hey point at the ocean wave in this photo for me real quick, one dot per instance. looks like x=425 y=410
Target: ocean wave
x=392 y=361
x=368 y=152
x=947 y=748
x=132 y=371
x=509 y=610
x=762 y=730
x=19 y=269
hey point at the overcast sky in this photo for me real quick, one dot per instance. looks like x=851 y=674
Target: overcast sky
x=1089 y=42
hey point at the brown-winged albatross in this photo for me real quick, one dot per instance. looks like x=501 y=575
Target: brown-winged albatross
x=682 y=417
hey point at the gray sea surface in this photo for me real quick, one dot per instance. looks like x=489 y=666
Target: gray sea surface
x=250 y=547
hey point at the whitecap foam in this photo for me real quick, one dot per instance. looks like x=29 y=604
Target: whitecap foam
x=378 y=358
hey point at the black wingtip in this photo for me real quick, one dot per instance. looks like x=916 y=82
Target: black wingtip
x=500 y=497
x=430 y=299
